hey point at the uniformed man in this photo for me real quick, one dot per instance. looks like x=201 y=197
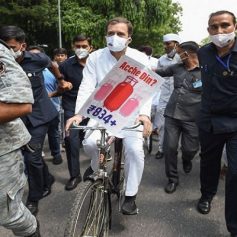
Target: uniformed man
x=15 y=101
x=43 y=111
x=218 y=117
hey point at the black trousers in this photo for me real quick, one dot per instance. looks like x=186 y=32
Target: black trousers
x=174 y=129
x=210 y=166
x=72 y=147
x=38 y=174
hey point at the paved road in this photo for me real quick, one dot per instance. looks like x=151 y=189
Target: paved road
x=161 y=214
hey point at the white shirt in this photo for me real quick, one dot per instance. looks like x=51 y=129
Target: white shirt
x=168 y=85
x=153 y=62
x=98 y=64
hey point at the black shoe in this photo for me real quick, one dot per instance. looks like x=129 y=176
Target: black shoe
x=233 y=235
x=33 y=207
x=171 y=187
x=89 y=171
x=129 y=206
x=187 y=166
x=204 y=206
x=57 y=161
x=159 y=155
x=72 y=183
x=47 y=190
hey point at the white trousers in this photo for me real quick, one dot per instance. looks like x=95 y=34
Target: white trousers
x=133 y=153
x=159 y=124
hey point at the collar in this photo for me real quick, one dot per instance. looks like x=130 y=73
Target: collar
x=27 y=54
x=4 y=43
x=234 y=49
x=170 y=59
x=74 y=59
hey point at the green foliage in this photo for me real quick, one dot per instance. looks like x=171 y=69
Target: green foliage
x=39 y=19
x=205 y=41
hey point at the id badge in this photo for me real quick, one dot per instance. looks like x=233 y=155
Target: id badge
x=197 y=84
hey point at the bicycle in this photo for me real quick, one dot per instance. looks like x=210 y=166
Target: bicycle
x=91 y=212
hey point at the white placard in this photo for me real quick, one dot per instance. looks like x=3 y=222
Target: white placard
x=121 y=94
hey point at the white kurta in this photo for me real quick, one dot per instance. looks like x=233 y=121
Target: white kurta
x=99 y=63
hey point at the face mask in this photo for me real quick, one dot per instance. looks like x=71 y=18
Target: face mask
x=81 y=53
x=116 y=43
x=222 y=40
x=16 y=54
x=171 y=53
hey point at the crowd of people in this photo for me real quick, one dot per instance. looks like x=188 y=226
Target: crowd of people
x=194 y=109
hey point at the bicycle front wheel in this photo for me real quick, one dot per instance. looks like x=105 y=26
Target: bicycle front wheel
x=90 y=214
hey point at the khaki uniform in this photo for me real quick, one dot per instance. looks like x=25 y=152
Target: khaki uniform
x=15 y=87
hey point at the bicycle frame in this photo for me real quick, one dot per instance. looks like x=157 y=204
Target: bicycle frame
x=104 y=146
x=91 y=214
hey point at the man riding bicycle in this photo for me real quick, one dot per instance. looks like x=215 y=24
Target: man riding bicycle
x=100 y=62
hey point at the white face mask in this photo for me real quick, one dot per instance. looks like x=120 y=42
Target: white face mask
x=81 y=53
x=16 y=54
x=171 y=53
x=222 y=40
x=116 y=43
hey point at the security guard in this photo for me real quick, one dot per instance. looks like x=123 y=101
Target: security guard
x=43 y=111
x=218 y=118
x=15 y=101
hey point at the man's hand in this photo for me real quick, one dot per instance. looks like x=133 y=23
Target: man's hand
x=64 y=86
x=147 y=125
x=75 y=119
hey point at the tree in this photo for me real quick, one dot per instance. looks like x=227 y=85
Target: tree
x=151 y=18
x=205 y=41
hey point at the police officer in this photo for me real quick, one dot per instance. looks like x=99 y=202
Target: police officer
x=181 y=112
x=43 y=111
x=218 y=118
x=15 y=101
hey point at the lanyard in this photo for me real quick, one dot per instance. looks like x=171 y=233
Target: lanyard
x=225 y=65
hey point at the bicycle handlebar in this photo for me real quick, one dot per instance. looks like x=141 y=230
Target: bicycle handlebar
x=75 y=126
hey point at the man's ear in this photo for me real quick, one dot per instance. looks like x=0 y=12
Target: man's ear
x=208 y=30
x=91 y=49
x=24 y=46
x=129 y=40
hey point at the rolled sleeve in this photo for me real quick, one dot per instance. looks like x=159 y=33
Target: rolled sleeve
x=15 y=86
